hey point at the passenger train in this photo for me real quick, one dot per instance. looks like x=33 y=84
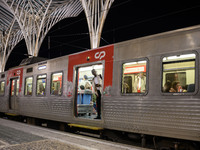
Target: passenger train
x=149 y=86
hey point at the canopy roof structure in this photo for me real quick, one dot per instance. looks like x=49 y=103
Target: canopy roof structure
x=32 y=19
x=10 y=33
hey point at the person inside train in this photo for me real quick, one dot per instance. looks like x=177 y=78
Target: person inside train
x=167 y=86
x=176 y=87
x=85 y=83
x=96 y=84
x=126 y=88
x=53 y=90
x=41 y=89
x=140 y=83
x=88 y=85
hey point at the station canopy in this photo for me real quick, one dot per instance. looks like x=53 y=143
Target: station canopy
x=13 y=13
x=31 y=20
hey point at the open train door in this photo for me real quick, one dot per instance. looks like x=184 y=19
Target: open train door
x=89 y=89
x=14 y=83
x=88 y=96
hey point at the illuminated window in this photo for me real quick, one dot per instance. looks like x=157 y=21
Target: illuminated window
x=2 y=88
x=134 y=77
x=17 y=88
x=179 y=73
x=12 y=87
x=28 y=86
x=56 y=83
x=41 y=85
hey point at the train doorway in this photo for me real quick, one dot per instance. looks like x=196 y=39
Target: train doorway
x=88 y=94
x=14 y=92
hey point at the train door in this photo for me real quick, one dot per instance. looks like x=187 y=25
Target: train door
x=88 y=94
x=85 y=99
x=14 y=92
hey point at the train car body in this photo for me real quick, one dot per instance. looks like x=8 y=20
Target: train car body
x=167 y=56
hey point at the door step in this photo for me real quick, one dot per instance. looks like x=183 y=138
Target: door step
x=85 y=127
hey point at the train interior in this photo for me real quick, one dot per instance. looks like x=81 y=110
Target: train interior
x=41 y=85
x=28 y=86
x=134 y=77
x=56 y=83
x=179 y=73
x=2 y=88
x=86 y=104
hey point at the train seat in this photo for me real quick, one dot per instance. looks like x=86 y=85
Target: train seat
x=87 y=98
x=191 y=88
x=79 y=99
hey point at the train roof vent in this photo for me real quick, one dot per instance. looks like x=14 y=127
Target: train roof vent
x=31 y=60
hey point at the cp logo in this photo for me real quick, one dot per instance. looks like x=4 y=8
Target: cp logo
x=18 y=72
x=100 y=55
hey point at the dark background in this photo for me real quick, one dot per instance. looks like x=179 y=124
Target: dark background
x=127 y=19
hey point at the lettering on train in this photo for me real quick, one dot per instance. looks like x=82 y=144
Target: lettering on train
x=100 y=55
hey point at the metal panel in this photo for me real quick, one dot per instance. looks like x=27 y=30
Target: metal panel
x=50 y=106
x=155 y=113
x=3 y=99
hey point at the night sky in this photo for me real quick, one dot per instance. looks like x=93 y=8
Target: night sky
x=127 y=19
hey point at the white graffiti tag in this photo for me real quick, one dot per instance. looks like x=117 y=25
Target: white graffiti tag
x=100 y=55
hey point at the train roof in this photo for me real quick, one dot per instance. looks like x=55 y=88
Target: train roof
x=36 y=60
x=163 y=34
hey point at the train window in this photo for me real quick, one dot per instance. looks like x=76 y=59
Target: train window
x=41 y=84
x=2 y=88
x=134 y=77
x=17 y=88
x=3 y=76
x=179 y=73
x=12 y=87
x=56 y=83
x=29 y=70
x=28 y=86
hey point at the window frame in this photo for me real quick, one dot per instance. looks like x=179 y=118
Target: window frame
x=147 y=76
x=37 y=84
x=3 y=75
x=62 y=82
x=196 y=74
x=4 y=87
x=25 y=86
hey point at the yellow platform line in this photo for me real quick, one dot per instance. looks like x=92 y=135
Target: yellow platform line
x=85 y=127
x=10 y=114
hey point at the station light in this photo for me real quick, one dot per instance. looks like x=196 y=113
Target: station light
x=177 y=57
x=42 y=67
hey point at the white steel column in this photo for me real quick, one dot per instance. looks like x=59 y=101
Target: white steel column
x=36 y=17
x=1 y=52
x=96 y=12
x=30 y=16
x=8 y=40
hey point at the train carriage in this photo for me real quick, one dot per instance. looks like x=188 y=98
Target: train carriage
x=150 y=86
x=3 y=92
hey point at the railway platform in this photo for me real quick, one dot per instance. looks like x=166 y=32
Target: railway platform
x=21 y=136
